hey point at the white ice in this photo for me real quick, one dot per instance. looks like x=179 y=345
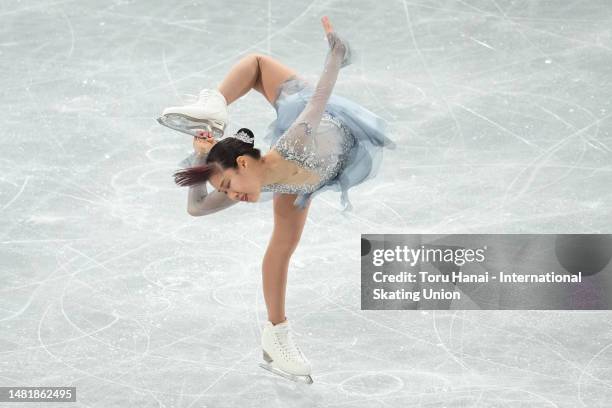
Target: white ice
x=501 y=112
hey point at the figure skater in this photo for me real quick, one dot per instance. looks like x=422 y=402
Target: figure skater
x=318 y=141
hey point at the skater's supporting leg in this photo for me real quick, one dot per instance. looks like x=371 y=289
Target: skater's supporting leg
x=288 y=226
x=255 y=71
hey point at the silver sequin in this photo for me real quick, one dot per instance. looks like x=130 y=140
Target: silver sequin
x=307 y=155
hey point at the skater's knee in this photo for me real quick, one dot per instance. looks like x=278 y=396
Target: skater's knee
x=256 y=57
x=285 y=246
x=286 y=239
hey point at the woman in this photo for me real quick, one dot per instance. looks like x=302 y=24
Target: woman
x=318 y=141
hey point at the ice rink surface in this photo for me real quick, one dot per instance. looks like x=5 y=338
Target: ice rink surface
x=501 y=112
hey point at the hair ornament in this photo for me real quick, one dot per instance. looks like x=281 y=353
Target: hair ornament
x=242 y=135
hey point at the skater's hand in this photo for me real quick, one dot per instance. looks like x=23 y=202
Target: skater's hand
x=327 y=25
x=203 y=142
x=335 y=42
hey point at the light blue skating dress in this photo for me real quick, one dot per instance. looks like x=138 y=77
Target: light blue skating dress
x=328 y=134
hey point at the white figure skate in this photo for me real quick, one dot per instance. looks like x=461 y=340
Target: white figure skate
x=209 y=113
x=282 y=355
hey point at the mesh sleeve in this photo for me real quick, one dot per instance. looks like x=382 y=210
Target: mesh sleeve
x=200 y=202
x=299 y=140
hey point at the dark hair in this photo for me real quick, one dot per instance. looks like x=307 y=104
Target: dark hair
x=222 y=155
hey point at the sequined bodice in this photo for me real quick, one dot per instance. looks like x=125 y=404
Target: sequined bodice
x=317 y=141
x=323 y=153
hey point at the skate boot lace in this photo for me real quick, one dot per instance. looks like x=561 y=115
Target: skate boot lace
x=289 y=347
x=201 y=98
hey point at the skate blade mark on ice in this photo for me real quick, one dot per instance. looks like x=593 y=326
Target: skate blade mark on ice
x=190 y=125
x=306 y=379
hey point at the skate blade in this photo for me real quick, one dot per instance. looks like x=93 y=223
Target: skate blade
x=306 y=379
x=189 y=125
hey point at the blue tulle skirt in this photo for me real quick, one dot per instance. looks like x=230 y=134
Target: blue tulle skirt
x=367 y=128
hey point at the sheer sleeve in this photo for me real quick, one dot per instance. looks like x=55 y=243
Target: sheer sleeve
x=200 y=202
x=299 y=141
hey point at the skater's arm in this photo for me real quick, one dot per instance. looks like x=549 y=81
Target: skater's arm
x=300 y=137
x=203 y=203
x=308 y=120
x=200 y=202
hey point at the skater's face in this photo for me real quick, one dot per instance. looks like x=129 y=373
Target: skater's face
x=241 y=184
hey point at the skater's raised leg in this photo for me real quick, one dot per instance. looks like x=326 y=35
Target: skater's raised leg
x=209 y=113
x=255 y=71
